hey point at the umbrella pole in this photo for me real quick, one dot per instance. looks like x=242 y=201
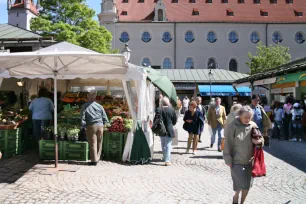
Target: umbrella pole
x=55 y=119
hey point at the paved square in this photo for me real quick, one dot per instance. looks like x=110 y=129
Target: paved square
x=203 y=178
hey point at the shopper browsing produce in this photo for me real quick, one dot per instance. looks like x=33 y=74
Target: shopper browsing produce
x=94 y=118
x=42 y=108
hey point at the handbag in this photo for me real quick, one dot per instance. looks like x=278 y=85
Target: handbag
x=259 y=166
x=159 y=127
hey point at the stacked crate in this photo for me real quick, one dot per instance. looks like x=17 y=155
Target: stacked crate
x=113 y=145
x=77 y=151
x=47 y=150
x=9 y=142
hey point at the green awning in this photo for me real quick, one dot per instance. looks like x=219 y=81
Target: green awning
x=300 y=76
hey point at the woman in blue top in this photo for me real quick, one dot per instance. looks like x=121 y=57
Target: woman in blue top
x=194 y=125
x=42 y=108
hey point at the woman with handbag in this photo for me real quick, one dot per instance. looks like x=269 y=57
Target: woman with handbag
x=194 y=125
x=168 y=116
x=239 y=150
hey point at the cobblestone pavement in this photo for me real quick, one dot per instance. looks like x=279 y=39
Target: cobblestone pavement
x=191 y=179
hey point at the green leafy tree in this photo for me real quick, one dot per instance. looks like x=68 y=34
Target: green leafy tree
x=72 y=21
x=268 y=58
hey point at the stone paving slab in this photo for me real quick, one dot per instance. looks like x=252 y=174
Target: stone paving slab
x=202 y=178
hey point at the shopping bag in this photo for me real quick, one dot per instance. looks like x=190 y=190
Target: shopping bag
x=222 y=143
x=175 y=139
x=259 y=166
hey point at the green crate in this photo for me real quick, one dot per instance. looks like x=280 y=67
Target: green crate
x=46 y=150
x=114 y=146
x=75 y=151
x=9 y=142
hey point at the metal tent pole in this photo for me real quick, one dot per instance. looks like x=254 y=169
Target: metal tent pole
x=55 y=113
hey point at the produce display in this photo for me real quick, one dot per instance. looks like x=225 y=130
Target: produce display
x=11 y=118
x=119 y=124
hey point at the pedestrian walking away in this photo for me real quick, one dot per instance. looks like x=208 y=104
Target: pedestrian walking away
x=41 y=108
x=260 y=116
x=216 y=119
x=185 y=104
x=194 y=125
x=201 y=108
x=238 y=152
x=278 y=121
x=287 y=117
x=297 y=115
x=168 y=116
x=93 y=117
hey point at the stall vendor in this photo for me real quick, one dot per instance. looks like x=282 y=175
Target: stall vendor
x=93 y=118
x=42 y=108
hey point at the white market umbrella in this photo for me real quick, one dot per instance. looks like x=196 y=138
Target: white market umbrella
x=63 y=61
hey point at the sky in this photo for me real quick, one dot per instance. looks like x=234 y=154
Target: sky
x=94 y=4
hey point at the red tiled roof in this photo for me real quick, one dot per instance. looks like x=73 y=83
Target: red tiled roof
x=21 y=4
x=214 y=12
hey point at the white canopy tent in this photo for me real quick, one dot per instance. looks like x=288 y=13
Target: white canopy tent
x=68 y=61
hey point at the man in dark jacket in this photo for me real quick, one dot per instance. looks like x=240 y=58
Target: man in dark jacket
x=169 y=118
x=201 y=108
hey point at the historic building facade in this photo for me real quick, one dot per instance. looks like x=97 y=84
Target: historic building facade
x=20 y=12
x=197 y=34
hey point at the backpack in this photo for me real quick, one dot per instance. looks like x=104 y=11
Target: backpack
x=158 y=126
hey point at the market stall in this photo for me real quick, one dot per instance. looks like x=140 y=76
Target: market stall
x=65 y=61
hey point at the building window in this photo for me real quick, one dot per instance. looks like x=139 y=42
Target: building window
x=299 y=38
x=140 y=1
x=289 y=1
x=211 y=37
x=174 y=1
x=224 y=1
x=189 y=37
x=273 y=1
x=125 y=1
x=192 y=1
x=124 y=13
x=229 y=12
x=263 y=12
x=256 y=1
x=160 y=15
x=208 y=1
x=240 y=1
x=189 y=63
x=195 y=12
x=233 y=66
x=124 y=37
x=167 y=37
x=167 y=64
x=233 y=37
x=298 y=13
x=277 y=38
x=146 y=37
x=146 y=62
x=255 y=37
x=212 y=64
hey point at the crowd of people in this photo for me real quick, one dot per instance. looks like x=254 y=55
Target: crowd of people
x=289 y=120
x=238 y=125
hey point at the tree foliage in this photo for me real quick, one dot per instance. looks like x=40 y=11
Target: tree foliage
x=268 y=58
x=72 y=21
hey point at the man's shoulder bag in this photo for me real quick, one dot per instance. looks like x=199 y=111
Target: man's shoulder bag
x=159 y=127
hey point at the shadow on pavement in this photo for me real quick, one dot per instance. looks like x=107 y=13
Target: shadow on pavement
x=293 y=153
x=207 y=157
x=15 y=167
